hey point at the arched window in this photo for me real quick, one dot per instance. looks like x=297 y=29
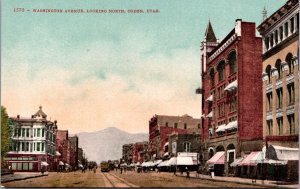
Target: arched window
x=268 y=71
x=232 y=62
x=289 y=61
x=221 y=70
x=278 y=67
x=212 y=77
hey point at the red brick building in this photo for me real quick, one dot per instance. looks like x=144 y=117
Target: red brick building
x=231 y=92
x=62 y=143
x=73 y=150
x=33 y=143
x=161 y=126
x=139 y=152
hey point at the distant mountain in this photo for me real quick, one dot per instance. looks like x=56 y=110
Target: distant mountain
x=107 y=144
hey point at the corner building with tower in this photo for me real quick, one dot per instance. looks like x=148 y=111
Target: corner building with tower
x=231 y=94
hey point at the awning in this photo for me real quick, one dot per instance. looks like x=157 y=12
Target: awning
x=210 y=115
x=231 y=86
x=80 y=165
x=221 y=128
x=210 y=98
x=282 y=153
x=61 y=163
x=163 y=164
x=185 y=160
x=157 y=162
x=202 y=116
x=166 y=154
x=218 y=158
x=275 y=162
x=237 y=161
x=138 y=164
x=252 y=159
x=232 y=125
x=43 y=163
x=57 y=153
x=154 y=155
x=67 y=165
x=172 y=161
x=166 y=144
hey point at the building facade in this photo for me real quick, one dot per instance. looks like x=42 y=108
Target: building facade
x=127 y=153
x=62 y=146
x=139 y=152
x=183 y=143
x=161 y=126
x=280 y=33
x=231 y=93
x=73 y=150
x=33 y=143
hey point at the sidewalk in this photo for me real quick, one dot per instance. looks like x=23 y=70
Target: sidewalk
x=21 y=176
x=266 y=183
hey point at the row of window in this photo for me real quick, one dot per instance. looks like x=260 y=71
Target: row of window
x=185 y=125
x=37 y=132
x=279 y=94
x=221 y=68
x=279 y=67
x=22 y=166
x=28 y=147
x=282 y=32
x=280 y=129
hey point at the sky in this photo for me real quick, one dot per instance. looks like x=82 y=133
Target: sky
x=90 y=71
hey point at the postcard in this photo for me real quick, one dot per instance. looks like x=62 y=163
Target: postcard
x=140 y=93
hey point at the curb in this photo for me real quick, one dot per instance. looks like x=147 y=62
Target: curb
x=239 y=182
x=17 y=179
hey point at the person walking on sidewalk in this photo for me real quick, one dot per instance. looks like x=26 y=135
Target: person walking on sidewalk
x=187 y=173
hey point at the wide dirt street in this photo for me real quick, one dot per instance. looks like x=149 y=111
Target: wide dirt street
x=115 y=179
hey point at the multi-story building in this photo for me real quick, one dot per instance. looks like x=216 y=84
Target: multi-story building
x=231 y=93
x=73 y=150
x=33 y=143
x=139 y=152
x=161 y=126
x=183 y=143
x=62 y=146
x=80 y=155
x=280 y=33
x=127 y=153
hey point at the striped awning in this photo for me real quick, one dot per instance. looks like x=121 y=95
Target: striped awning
x=218 y=158
x=252 y=159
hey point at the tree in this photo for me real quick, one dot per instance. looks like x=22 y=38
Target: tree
x=5 y=133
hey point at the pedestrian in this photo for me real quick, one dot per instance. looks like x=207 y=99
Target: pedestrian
x=187 y=173
x=121 y=169
x=94 y=169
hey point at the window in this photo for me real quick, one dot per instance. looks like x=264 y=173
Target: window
x=269 y=101
x=289 y=61
x=291 y=90
x=25 y=166
x=267 y=39
x=43 y=146
x=23 y=146
x=281 y=33
x=37 y=146
x=34 y=149
x=291 y=119
x=221 y=70
x=279 y=97
x=19 y=166
x=43 y=132
x=14 y=166
x=286 y=29
x=232 y=62
x=278 y=67
x=185 y=126
x=38 y=132
x=292 y=25
x=212 y=77
x=187 y=146
x=280 y=126
x=199 y=125
x=276 y=36
x=271 y=40
x=167 y=124
x=34 y=132
x=175 y=125
x=30 y=166
x=23 y=132
x=27 y=132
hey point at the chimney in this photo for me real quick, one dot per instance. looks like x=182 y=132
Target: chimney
x=18 y=116
x=238 y=27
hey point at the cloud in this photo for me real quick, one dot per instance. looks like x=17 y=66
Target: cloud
x=102 y=84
